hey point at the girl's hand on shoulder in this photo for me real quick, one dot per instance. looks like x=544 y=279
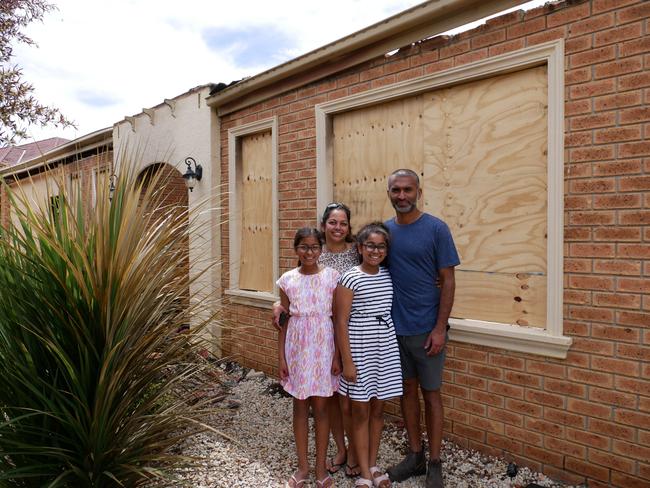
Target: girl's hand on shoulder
x=336 y=365
x=283 y=370
x=350 y=373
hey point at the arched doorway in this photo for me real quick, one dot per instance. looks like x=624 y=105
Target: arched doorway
x=171 y=196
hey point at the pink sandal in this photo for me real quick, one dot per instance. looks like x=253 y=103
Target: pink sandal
x=295 y=483
x=379 y=480
x=363 y=482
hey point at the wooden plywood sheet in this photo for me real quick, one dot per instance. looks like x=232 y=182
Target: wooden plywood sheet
x=485 y=169
x=481 y=148
x=516 y=299
x=368 y=145
x=256 y=257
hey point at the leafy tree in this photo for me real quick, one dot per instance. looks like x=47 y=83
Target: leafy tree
x=18 y=107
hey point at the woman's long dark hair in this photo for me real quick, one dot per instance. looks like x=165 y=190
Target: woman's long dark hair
x=338 y=206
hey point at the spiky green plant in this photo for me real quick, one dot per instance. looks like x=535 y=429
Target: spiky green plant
x=90 y=356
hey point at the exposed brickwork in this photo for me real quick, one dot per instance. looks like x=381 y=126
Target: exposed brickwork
x=585 y=418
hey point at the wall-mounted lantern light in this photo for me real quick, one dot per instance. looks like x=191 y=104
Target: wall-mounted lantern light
x=111 y=186
x=192 y=175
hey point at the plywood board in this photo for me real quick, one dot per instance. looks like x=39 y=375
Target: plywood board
x=256 y=256
x=516 y=299
x=481 y=148
x=368 y=145
x=485 y=169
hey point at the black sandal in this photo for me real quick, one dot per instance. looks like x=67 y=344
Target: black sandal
x=349 y=469
x=333 y=467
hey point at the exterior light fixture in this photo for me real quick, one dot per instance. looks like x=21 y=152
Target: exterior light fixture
x=192 y=175
x=111 y=186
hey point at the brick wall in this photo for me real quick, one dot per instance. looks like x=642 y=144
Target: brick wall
x=585 y=418
x=85 y=165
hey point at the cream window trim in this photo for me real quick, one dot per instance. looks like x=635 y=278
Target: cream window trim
x=234 y=223
x=549 y=341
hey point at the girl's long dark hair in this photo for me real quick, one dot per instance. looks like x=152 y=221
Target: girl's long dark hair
x=373 y=228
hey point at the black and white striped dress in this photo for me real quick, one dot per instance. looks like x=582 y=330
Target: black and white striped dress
x=372 y=337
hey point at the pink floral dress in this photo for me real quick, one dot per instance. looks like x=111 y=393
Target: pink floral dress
x=309 y=347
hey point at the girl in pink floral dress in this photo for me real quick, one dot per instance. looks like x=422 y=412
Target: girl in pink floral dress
x=308 y=362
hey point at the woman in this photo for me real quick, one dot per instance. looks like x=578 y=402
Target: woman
x=339 y=253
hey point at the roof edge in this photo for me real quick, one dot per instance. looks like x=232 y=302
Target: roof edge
x=414 y=19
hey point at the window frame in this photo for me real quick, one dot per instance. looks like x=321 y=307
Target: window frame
x=549 y=341
x=235 y=134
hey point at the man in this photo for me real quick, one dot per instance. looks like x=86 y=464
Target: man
x=422 y=251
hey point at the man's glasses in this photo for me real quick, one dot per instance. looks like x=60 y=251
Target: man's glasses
x=371 y=247
x=305 y=248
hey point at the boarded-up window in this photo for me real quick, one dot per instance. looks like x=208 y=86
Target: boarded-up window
x=256 y=183
x=481 y=150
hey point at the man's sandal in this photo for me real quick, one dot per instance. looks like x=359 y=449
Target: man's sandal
x=295 y=483
x=327 y=482
x=379 y=480
x=363 y=482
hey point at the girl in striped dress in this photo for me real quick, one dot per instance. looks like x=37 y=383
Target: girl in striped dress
x=368 y=347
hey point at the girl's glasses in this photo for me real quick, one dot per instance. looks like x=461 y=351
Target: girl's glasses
x=370 y=247
x=305 y=248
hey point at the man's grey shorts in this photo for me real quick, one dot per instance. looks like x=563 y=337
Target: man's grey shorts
x=416 y=363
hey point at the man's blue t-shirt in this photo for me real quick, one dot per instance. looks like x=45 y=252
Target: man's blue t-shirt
x=417 y=251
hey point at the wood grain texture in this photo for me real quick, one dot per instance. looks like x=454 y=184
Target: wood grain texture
x=256 y=258
x=481 y=148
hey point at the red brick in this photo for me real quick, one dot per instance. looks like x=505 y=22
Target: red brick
x=508 y=362
x=596 y=153
x=633 y=251
x=578 y=139
x=644 y=470
x=606 y=5
x=617 y=68
x=633 y=81
x=588 y=408
x=588 y=58
x=486 y=424
x=506 y=47
x=544 y=455
x=523 y=379
x=611 y=429
x=564 y=387
x=485 y=371
x=472 y=381
x=591 y=314
x=618 y=100
x=634 y=451
x=617 y=234
x=615 y=333
x=634 y=352
x=438 y=66
x=617 y=134
x=611 y=460
x=505 y=416
x=618 y=35
x=610 y=397
x=633 y=318
x=523 y=407
x=546 y=36
x=590 y=377
x=633 y=13
x=635 y=419
x=567 y=15
x=523 y=435
x=617 y=267
x=469 y=432
x=592 y=250
x=593 y=346
x=588 y=438
x=544 y=427
x=635 y=47
x=591 y=218
x=587 y=469
x=563 y=417
x=488 y=39
x=632 y=149
x=618 y=366
x=624 y=479
x=571 y=77
x=470 y=57
x=527 y=27
x=609 y=168
x=583 y=122
x=634 y=285
x=577 y=297
x=635 y=183
x=454 y=49
x=505 y=443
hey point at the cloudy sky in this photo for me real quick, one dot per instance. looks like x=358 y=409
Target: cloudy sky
x=100 y=60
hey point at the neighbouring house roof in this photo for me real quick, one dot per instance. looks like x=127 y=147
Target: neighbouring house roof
x=12 y=155
x=422 y=21
x=94 y=140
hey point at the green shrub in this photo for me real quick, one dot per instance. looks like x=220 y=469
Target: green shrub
x=90 y=356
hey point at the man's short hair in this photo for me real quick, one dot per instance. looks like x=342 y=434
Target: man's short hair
x=404 y=172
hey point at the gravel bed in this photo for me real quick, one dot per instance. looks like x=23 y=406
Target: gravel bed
x=256 y=446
